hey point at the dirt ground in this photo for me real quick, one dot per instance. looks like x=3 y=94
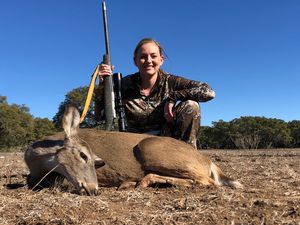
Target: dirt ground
x=271 y=196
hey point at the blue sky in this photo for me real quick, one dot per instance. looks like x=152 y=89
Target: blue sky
x=248 y=51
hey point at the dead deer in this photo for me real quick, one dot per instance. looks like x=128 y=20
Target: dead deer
x=68 y=156
x=142 y=160
x=130 y=159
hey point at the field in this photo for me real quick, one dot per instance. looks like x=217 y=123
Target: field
x=271 y=196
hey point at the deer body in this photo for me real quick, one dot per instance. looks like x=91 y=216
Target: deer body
x=130 y=159
x=117 y=151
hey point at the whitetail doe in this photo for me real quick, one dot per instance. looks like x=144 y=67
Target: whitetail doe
x=137 y=160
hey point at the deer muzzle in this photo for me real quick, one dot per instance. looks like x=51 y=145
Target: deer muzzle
x=89 y=189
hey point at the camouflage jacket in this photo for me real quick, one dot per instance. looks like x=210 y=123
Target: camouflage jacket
x=146 y=113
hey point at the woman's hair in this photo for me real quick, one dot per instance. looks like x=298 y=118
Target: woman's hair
x=145 y=41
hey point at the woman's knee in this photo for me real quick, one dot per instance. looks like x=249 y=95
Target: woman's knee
x=188 y=107
x=193 y=105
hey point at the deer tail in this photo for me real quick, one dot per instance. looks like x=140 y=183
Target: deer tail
x=221 y=179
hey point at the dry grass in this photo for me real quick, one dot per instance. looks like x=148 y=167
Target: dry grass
x=271 y=196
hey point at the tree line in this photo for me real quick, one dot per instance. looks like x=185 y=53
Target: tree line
x=250 y=132
x=18 y=127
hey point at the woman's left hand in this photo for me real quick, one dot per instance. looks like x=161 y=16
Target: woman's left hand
x=168 y=112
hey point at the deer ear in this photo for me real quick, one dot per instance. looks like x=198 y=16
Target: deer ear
x=71 y=121
x=99 y=162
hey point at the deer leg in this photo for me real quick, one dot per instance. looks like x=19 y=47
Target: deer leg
x=151 y=178
x=205 y=181
x=127 y=185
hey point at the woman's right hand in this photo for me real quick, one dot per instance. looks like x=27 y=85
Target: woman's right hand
x=105 y=70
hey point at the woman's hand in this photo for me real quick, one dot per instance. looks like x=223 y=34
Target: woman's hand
x=105 y=70
x=168 y=112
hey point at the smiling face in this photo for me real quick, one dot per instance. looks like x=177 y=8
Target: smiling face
x=148 y=58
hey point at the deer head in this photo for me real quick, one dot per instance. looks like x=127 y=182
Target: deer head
x=76 y=160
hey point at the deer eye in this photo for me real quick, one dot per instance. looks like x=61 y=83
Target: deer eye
x=83 y=156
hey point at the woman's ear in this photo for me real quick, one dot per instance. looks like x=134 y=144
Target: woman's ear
x=162 y=60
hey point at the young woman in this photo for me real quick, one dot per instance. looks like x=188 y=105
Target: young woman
x=158 y=102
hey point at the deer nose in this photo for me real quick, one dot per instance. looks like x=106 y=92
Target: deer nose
x=89 y=189
x=96 y=192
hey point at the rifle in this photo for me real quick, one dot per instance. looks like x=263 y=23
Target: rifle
x=109 y=83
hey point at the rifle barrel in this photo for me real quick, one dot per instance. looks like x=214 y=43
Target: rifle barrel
x=106 y=31
x=109 y=100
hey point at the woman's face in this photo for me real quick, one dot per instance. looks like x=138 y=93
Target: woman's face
x=148 y=59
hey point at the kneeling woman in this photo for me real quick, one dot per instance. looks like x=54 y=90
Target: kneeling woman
x=155 y=101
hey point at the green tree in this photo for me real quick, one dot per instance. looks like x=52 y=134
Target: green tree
x=260 y=132
x=43 y=127
x=22 y=107
x=16 y=126
x=204 y=140
x=250 y=133
x=3 y=100
x=223 y=132
x=245 y=132
x=76 y=96
x=218 y=136
x=294 y=127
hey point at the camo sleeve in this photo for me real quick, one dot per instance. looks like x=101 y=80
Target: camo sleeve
x=182 y=89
